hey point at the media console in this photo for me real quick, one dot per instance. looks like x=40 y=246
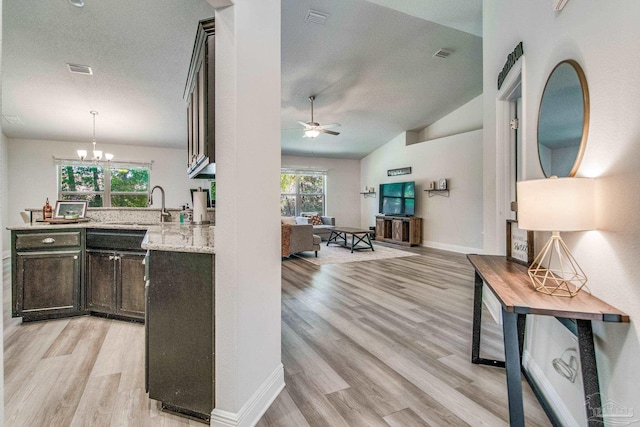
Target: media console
x=402 y=230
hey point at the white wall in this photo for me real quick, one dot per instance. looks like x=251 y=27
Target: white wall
x=343 y=185
x=3 y=216
x=249 y=372
x=465 y=119
x=33 y=176
x=453 y=223
x=603 y=41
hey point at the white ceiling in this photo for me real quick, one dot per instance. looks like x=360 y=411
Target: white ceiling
x=370 y=67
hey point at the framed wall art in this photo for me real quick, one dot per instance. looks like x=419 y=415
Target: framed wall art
x=519 y=244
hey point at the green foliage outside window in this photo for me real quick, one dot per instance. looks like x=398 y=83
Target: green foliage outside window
x=114 y=186
x=301 y=193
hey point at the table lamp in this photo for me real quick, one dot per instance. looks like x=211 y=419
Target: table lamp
x=556 y=204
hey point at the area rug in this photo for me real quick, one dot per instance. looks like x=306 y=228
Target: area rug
x=333 y=254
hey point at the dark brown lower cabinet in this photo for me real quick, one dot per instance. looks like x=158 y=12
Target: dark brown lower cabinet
x=115 y=283
x=47 y=274
x=180 y=331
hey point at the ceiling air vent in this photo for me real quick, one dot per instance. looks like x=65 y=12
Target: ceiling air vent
x=442 y=53
x=316 y=17
x=80 y=69
x=13 y=120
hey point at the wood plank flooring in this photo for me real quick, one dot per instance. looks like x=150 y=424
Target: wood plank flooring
x=388 y=343
x=377 y=343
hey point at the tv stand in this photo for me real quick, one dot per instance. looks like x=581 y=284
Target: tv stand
x=401 y=230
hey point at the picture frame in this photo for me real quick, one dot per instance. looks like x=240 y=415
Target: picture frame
x=442 y=184
x=520 y=244
x=70 y=207
x=206 y=190
x=399 y=171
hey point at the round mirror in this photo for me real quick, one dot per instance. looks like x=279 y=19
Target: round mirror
x=563 y=120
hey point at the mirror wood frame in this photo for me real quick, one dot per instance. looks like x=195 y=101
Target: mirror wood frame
x=585 y=124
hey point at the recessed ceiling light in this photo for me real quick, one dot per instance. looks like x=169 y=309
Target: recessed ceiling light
x=316 y=17
x=442 y=53
x=77 y=3
x=80 y=69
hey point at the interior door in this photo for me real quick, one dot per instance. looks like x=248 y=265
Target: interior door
x=515 y=153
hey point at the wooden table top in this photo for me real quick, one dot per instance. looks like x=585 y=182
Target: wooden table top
x=510 y=283
x=351 y=230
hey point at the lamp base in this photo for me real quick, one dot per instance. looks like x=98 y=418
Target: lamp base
x=555 y=271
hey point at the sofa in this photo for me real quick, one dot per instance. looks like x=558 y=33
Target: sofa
x=298 y=238
x=323 y=230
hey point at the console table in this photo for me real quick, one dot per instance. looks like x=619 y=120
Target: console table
x=510 y=283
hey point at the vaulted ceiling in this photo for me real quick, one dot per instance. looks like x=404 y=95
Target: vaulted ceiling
x=371 y=68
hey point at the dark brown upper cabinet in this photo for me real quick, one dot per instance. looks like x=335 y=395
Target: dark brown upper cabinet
x=200 y=98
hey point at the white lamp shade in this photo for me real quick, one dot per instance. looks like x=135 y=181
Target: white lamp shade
x=556 y=204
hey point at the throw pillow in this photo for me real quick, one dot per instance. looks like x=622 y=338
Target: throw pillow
x=315 y=220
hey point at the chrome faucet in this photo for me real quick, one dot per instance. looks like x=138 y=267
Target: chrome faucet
x=164 y=214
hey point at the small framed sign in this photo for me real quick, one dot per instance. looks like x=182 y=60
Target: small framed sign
x=70 y=208
x=519 y=244
x=399 y=171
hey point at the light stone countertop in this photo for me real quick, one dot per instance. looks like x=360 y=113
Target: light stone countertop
x=168 y=236
x=176 y=237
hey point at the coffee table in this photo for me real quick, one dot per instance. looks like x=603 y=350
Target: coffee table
x=339 y=237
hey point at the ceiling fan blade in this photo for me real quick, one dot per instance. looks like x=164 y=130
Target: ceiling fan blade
x=330 y=132
x=306 y=125
x=330 y=125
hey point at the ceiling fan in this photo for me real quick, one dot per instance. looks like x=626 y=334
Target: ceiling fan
x=313 y=129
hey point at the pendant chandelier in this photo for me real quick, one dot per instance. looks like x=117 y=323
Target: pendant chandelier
x=97 y=154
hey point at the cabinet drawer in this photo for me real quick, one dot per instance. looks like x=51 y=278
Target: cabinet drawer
x=47 y=240
x=115 y=239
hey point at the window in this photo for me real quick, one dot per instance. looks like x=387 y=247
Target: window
x=302 y=191
x=111 y=185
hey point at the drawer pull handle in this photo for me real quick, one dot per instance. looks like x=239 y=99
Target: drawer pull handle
x=48 y=240
x=111 y=257
x=75 y=257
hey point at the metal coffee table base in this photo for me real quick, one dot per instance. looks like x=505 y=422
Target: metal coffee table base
x=338 y=236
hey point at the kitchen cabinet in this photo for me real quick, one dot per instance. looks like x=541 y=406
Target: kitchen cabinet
x=115 y=273
x=179 y=331
x=46 y=273
x=200 y=98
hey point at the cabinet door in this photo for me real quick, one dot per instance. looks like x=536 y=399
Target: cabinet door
x=100 y=282
x=47 y=284
x=189 y=134
x=202 y=110
x=130 y=300
x=380 y=228
x=397 y=230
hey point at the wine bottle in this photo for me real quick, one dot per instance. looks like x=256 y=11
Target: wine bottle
x=47 y=211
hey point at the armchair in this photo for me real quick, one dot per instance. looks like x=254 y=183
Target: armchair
x=298 y=238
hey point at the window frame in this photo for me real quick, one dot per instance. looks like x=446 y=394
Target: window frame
x=107 y=167
x=298 y=194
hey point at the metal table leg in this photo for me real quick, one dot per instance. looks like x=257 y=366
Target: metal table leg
x=477 y=327
x=514 y=378
x=591 y=385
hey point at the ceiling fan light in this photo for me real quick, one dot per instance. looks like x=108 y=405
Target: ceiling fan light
x=311 y=133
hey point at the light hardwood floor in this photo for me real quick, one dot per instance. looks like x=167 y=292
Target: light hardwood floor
x=371 y=343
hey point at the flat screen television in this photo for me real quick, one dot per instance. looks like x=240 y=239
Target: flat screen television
x=398 y=198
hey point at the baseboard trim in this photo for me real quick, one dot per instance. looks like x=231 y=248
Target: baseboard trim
x=255 y=407
x=451 y=248
x=554 y=400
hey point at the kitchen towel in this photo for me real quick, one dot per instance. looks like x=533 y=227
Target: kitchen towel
x=199 y=206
